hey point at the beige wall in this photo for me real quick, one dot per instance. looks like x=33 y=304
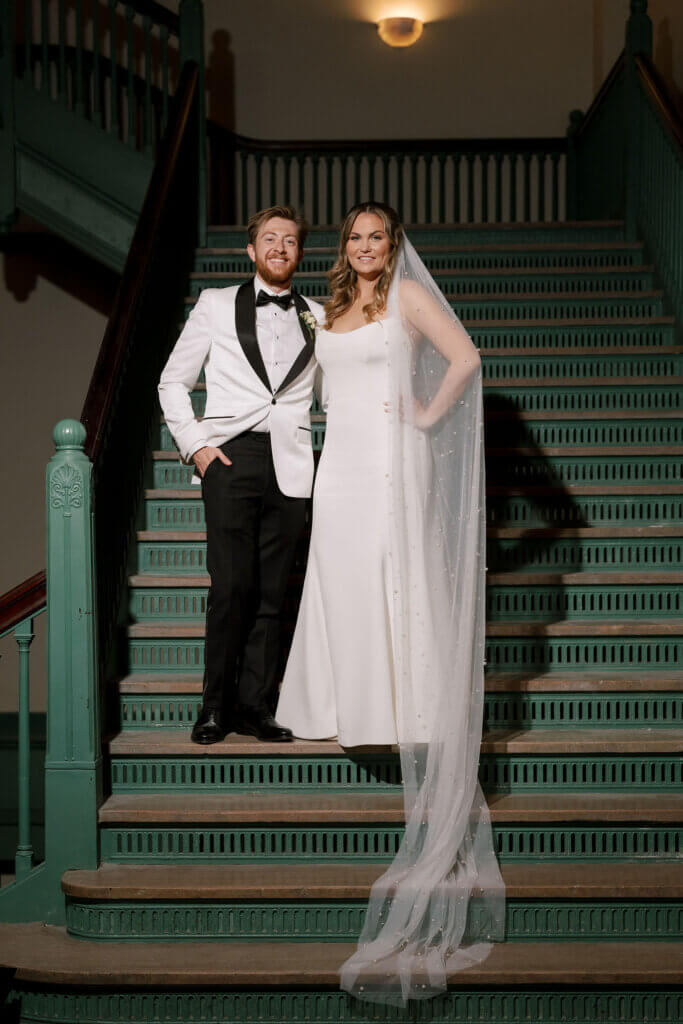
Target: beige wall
x=49 y=341
x=317 y=69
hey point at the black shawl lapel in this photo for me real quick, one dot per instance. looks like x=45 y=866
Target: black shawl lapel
x=306 y=353
x=245 y=324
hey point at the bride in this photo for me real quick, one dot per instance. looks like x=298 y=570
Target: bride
x=389 y=643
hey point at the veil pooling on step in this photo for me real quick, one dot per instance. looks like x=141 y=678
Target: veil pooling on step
x=440 y=904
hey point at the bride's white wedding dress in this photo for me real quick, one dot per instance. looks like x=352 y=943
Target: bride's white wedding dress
x=389 y=643
x=340 y=678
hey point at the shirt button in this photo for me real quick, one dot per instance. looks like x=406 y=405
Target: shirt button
x=274 y=401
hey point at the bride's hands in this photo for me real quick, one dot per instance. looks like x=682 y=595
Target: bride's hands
x=420 y=416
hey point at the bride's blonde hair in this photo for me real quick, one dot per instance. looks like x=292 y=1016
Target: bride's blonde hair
x=343 y=278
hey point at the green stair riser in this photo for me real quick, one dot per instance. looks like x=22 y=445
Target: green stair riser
x=493 y=284
x=567 y=510
x=130 y=844
x=501 y=710
x=542 y=510
x=534 y=309
x=320 y=263
x=504 y=603
x=372 y=773
x=520 y=470
x=503 y=654
x=342 y=920
x=553 y=434
x=127 y=1005
x=567 y=554
x=559 y=398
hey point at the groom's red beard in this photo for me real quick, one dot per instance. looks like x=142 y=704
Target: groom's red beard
x=277 y=276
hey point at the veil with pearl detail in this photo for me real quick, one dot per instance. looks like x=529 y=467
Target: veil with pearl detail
x=441 y=902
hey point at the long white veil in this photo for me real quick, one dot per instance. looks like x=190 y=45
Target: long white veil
x=441 y=902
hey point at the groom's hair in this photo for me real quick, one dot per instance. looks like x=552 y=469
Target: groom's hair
x=286 y=212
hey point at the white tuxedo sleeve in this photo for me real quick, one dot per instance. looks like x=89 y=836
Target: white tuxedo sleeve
x=180 y=375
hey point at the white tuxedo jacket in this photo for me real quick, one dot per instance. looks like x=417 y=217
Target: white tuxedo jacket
x=220 y=335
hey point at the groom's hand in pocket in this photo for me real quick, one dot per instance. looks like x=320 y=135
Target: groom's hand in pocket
x=205 y=456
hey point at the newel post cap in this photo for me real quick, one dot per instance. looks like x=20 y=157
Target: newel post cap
x=69 y=435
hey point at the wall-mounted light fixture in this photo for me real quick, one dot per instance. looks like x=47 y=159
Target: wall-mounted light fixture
x=400 y=31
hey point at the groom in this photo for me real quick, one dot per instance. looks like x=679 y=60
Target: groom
x=252 y=451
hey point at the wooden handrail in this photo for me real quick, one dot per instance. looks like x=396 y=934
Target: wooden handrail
x=131 y=288
x=658 y=95
x=158 y=13
x=30 y=596
x=20 y=602
x=378 y=146
x=617 y=68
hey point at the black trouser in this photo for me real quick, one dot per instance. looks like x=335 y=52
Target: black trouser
x=252 y=529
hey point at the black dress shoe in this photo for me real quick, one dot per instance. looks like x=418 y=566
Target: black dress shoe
x=262 y=725
x=209 y=727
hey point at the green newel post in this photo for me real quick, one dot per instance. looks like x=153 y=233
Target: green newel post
x=73 y=764
x=8 y=207
x=638 y=41
x=191 y=14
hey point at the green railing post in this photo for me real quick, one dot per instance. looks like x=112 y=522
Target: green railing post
x=575 y=119
x=73 y=765
x=638 y=41
x=192 y=48
x=8 y=206
x=23 y=860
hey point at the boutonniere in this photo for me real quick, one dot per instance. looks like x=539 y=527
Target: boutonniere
x=309 y=322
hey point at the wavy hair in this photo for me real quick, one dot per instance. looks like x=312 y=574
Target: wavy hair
x=344 y=279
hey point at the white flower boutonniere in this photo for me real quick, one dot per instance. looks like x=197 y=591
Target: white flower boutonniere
x=309 y=322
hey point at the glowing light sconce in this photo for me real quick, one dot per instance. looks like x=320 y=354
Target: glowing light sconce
x=400 y=31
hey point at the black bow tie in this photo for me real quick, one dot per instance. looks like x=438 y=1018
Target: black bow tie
x=283 y=301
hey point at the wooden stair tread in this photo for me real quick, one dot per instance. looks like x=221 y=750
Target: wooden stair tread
x=621 y=351
x=177 y=742
x=511 y=579
x=40 y=953
x=568 y=382
x=621 y=268
x=665 y=681
x=656 y=490
x=455 y=248
x=352 y=881
x=586 y=451
x=565 y=627
x=252 y=806
x=502 y=532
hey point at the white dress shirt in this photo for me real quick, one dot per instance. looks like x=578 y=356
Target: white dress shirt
x=279 y=338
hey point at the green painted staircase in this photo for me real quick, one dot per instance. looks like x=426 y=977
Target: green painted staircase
x=240 y=872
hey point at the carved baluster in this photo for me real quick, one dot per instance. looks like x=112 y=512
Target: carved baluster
x=61 y=39
x=484 y=159
x=23 y=859
x=556 y=187
x=457 y=160
x=130 y=65
x=96 y=97
x=499 y=186
x=147 y=28
x=514 y=157
x=44 y=46
x=164 y=77
x=315 y=171
x=329 y=187
x=471 y=157
x=527 y=187
x=113 y=58
x=541 y=161
x=78 y=85
x=442 y=188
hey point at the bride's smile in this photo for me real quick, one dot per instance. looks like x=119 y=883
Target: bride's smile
x=368 y=246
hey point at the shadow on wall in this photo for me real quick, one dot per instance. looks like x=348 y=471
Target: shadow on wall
x=30 y=253
x=664 y=61
x=220 y=80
